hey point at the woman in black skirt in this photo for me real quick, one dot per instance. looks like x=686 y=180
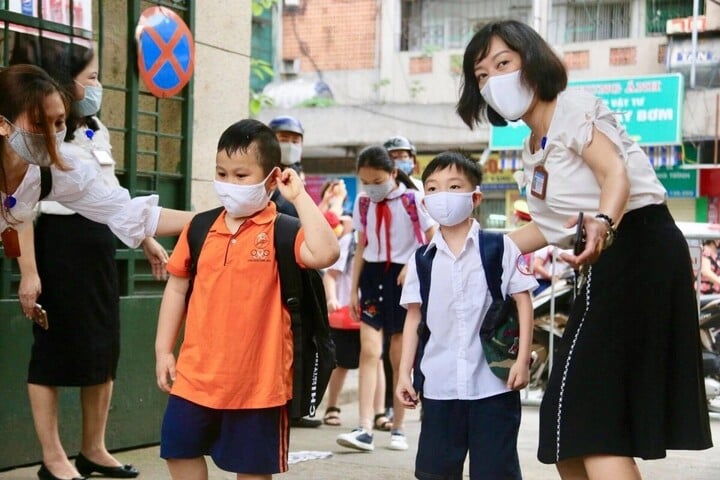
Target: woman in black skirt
x=628 y=378
x=82 y=346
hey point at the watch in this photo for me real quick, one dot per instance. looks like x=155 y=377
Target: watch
x=610 y=235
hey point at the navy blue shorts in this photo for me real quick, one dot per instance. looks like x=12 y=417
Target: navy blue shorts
x=488 y=428
x=380 y=297
x=252 y=441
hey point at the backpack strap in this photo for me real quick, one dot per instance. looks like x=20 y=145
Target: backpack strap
x=45 y=182
x=286 y=229
x=424 y=257
x=196 y=235
x=364 y=206
x=492 y=247
x=408 y=201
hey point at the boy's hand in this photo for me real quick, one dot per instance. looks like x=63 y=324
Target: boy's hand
x=519 y=376
x=165 y=371
x=405 y=392
x=289 y=184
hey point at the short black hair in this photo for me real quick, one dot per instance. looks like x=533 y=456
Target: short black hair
x=462 y=163
x=542 y=71
x=240 y=135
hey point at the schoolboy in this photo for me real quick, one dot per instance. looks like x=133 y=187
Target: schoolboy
x=465 y=406
x=233 y=378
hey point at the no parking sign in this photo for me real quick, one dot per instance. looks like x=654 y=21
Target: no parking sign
x=166 y=51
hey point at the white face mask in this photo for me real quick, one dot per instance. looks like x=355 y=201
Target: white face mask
x=449 y=209
x=290 y=153
x=507 y=95
x=31 y=147
x=242 y=200
x=91 y=102
x=378 y=192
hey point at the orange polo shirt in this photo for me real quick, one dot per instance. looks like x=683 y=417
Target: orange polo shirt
x=237 y=350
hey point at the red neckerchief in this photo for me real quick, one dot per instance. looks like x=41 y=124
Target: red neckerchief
x=384 y=214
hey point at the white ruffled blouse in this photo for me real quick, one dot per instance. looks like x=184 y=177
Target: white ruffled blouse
x=85 y=190
x=571 y=185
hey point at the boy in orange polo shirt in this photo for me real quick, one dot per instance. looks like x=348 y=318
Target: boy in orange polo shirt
x=232 y=382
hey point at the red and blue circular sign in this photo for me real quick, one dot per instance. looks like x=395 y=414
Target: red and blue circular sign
x=166 y=51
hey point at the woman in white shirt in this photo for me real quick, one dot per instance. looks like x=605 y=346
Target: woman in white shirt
x=628 y=380
x=32 y=129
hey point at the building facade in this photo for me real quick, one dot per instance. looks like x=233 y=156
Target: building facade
x=393 y=67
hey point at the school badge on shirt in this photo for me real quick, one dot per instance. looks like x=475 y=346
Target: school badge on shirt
x=261 y=251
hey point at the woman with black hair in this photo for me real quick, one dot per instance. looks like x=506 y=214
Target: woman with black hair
x=628 y=379
x=82 y=346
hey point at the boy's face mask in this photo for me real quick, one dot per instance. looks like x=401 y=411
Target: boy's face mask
x=242 y=200
x=449 y=208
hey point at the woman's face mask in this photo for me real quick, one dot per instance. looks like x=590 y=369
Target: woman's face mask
x=242 y=200
x=507 y=95
x=91 y=102
x=31 y=147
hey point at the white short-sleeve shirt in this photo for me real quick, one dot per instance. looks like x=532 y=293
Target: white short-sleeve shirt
x=454 y=364
x=343 y=284
x=571 y=185
x=402 y=234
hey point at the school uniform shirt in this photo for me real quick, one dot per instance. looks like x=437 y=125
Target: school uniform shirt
x=454 y=364
x=237 y=350
x=82 y=188
x=96 y=151
x=343 y=265
x=571 y=184
x=402 y=234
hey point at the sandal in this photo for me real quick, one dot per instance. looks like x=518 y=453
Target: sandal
x=332 y=417
x=382 y=422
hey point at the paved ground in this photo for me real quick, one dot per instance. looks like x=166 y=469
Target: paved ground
x=385 y=464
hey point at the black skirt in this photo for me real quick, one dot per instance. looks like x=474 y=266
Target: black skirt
x=628 y=378
x=76 y=263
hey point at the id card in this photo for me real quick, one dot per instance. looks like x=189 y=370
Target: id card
x=10 y=242
x=538 y=186
x=103 y=157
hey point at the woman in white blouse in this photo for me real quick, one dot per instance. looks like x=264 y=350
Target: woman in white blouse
x=628 y=380
x=32 y=130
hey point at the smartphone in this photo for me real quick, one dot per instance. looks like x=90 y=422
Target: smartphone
x=579 y=244
x=40 y=317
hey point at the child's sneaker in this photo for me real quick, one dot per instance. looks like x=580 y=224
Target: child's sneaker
x=398 y=441
x=358 y=439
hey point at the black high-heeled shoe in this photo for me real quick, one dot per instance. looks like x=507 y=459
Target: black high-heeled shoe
x=86 y=467
x=45 y=474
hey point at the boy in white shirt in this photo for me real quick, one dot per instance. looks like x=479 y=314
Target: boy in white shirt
x=465 y=406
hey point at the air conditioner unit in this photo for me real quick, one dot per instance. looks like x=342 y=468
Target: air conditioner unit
x=290 y=4
x=290 y=66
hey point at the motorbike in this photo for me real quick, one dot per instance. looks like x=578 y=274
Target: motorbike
x=549 y=320
x=710 y=340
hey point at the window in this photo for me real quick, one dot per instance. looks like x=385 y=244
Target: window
x=660 y=11
x=590 y=21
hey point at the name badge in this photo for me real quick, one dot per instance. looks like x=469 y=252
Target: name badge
x=103 y=157
x=538 y=186
x=10 y=242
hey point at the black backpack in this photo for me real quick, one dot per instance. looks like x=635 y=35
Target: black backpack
x=304 y=296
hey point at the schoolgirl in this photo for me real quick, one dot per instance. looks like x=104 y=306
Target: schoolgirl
x=391 y=224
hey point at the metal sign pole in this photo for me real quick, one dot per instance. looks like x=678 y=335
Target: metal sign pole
x=551 y=342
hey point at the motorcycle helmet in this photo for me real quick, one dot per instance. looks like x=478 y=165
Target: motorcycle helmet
x=399 y=143
x=286 y=124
